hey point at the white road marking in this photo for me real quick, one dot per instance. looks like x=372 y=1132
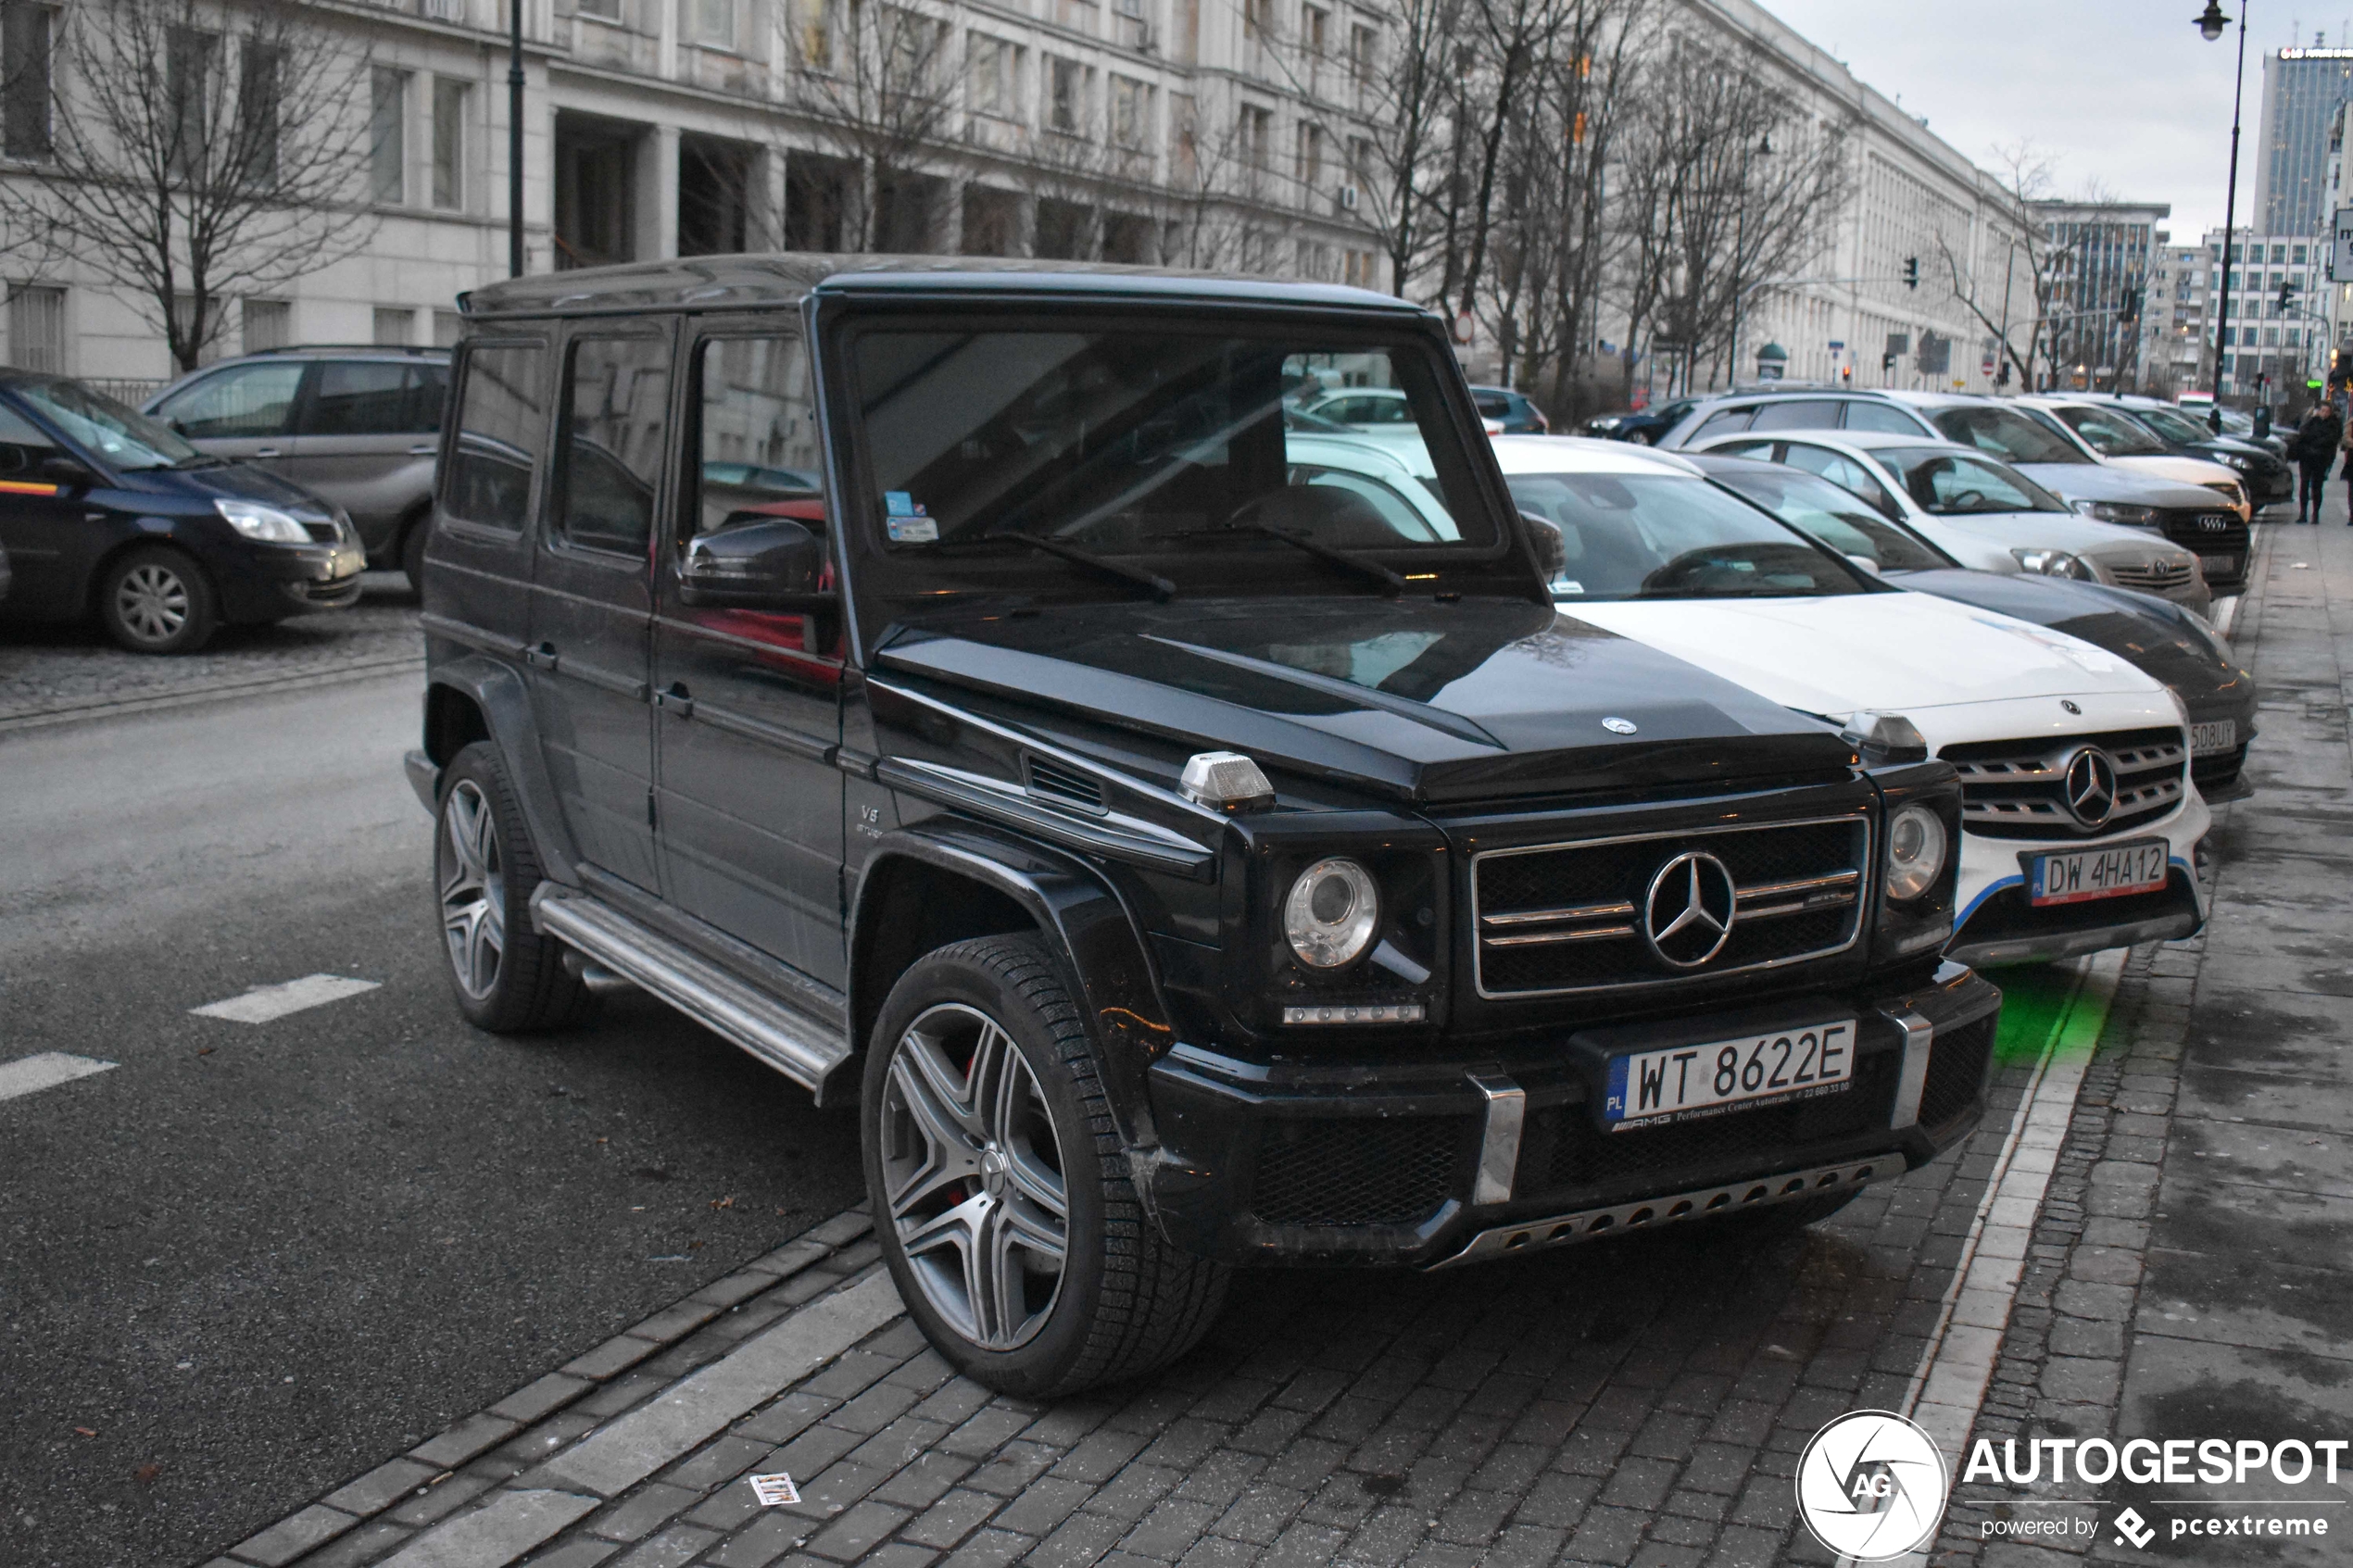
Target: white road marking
x=33 y=1073
x=266 y=1002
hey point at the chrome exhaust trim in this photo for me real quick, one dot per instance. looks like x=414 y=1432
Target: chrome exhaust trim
x=1648 y=1213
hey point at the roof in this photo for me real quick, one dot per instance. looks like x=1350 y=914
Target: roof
x=1577 y=453
x=1860 y=440
x=734 y=282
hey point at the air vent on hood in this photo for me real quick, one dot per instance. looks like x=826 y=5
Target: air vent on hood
x=1064 y=786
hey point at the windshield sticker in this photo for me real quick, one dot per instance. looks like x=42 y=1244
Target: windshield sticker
x=1564 y=586
x=898 y=503
x=907 y=523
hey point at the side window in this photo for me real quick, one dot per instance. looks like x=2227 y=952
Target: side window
x=428 y=390
x=247 y=401
x=22 y=445
x=501 y=429
x=358 y=397
x=1803 y=413
x=760 y=456
x=616 y=410
x=1879 y=417
x=1722 y=422
x=1823 y=461
x=1761 y=450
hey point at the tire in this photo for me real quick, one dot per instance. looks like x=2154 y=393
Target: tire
x=155 y=600
x=412 y=551
x=1644 y=438
x=506 y=978
x=983 y=1109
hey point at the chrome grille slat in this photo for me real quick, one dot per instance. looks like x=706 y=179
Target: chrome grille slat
x=1552 y=919
x=2016 y=788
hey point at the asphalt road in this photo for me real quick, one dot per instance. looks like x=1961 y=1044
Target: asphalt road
x=252 y=1261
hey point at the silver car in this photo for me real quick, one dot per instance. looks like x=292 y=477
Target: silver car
x=357 y=426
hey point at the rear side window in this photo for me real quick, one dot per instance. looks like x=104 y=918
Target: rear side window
x=244 y=401
x=501 y=431
x=1723 y=422
x=616 y=409
x=359 y=397
x=430 y=390
x=1803 y=413
x=1879 y=417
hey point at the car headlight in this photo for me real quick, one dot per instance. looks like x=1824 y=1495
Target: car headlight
x=1916 y=850
x=2118 y=511
x=1332 y=913
x=2054 y=563
x=266 y=523
x=2238 y=461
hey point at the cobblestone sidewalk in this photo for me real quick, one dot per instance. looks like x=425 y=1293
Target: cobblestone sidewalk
x=51 y=674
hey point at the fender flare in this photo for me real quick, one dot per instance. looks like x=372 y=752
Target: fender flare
x=1079 y=911
x=498 y=694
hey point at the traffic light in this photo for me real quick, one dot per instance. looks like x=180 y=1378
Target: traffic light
x=2128 y=307
x=2288 y=296
x=1912 y=271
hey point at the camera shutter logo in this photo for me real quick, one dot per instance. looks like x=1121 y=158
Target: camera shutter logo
x=1872 y=1486
x=2132 y=1527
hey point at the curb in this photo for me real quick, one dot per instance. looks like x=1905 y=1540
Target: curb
x=42 y=719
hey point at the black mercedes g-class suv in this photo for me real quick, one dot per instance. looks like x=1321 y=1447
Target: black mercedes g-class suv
x=1191 y=840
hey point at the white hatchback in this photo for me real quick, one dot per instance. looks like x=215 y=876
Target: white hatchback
x=2079 y=823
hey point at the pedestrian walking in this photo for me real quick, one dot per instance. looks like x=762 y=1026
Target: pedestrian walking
x=2314 y=447
x=2345 y=445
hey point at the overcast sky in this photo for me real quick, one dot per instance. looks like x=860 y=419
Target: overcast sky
x=2122 y=91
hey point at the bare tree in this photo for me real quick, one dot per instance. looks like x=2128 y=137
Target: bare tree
x=1999 y=304
x=208 y=154
x=1405 y=95
x=876 y=79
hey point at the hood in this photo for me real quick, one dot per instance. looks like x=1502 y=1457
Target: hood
x=2110 y=481
x=1421 y=701
x=2157 y=637
x=1893 y=653
x=2064 y=531
x=2198 y=472
x=231 y=481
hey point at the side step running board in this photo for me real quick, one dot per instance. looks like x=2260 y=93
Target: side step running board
x=794 y=1043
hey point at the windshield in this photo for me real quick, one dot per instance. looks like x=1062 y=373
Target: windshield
x=2006 y=433
x=2111 y=435
x=1944 y=482
x=1835 y=519
x=1664 y=536
x=2174 y=426
x=123 y=440
x=1160 y=442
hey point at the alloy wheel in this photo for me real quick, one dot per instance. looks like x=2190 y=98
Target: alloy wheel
x=151 y=601
x=973 y=1175
x=473 y=889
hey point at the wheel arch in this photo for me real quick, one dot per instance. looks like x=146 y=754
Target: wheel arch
x=949 y=879
x=145 y=533
x=478 y=698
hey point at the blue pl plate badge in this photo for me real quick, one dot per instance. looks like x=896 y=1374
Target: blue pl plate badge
x=905 y=520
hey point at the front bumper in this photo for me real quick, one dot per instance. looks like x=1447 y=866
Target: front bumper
x=1416 y=1161
x=270 y=583
x=1998 y=925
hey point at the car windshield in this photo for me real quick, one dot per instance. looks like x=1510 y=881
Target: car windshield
x=123 y=440
x=2111 y=435
x=1944 y=482
x=2006 y=433
x=1834 y=518
x=2173 y=426
x=1155 y=443
x=1666 y=536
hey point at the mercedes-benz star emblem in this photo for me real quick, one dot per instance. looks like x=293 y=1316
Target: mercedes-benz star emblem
x=1618 y=726
x=2091 y=787
x=2070 y=707
x=1687 y=917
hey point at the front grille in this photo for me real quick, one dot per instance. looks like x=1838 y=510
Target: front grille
x=1770 y=1137
x=2155 y=577
x=2017 y=788
x=324 y=533
x=1570 y=916
x=1359 y=1170
x=1956 y=1071
x=2219 y=539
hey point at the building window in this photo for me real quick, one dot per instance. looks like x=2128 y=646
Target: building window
x=37 y=329
x=393 y=326
x=447 y=328
x=1311 y=159
x=2298 y=257
x=266 y=324
x=1360 y=62
x=448 y=144
x=996 y=77
x=712 y=22
x=603 y=10
x=1066 y=98
x=26 y=33
x=1183 y=142
x=1130 y=112
x=191 y=62
x=387 y=163
x=1257 y=135
x=1258 y=21
x=208 y=336
x=1314 y=37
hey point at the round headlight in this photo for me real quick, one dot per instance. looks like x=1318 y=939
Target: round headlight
x=1332 y=913
x=1915 y=841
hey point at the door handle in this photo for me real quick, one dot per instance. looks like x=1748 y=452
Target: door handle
x=540 y=658
x=675 y=699
x=265 y=451
x=427 y=450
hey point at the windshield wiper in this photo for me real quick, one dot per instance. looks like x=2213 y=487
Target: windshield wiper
x=200 y=460
x=1337 y=557
x=1161 y=587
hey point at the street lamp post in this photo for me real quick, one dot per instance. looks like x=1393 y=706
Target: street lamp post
x=514 y=139
x=2211 y=23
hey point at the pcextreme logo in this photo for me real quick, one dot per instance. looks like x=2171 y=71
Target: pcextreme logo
x=1872 y=1486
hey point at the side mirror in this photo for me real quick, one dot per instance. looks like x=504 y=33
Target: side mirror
x=70 y=472
x=1864 y=562
x=1552 y=551
x=773 y=564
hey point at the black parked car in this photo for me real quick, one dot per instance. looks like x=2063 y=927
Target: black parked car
x=2269 y=478
x=2154 y=635
x=105 y=513
x=1645 y=425
x=1184 y=855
